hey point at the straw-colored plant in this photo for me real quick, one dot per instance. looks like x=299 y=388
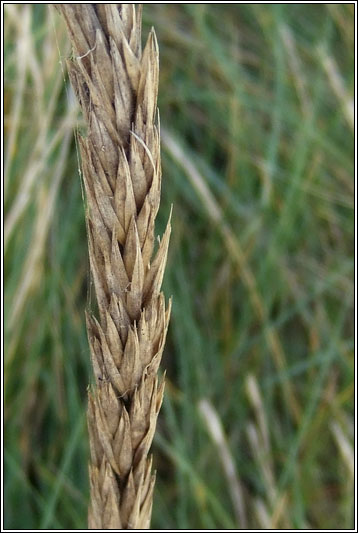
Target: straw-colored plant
x=116 y=85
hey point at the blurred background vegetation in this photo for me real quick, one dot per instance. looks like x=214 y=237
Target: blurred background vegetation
x=256 y=430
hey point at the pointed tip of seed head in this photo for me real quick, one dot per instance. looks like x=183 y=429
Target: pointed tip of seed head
x=153 y=37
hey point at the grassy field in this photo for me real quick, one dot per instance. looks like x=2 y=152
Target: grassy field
x=257 y=119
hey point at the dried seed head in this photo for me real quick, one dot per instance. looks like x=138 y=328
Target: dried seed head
x=116 y=85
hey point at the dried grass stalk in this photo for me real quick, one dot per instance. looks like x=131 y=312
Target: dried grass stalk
x=116 y=84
